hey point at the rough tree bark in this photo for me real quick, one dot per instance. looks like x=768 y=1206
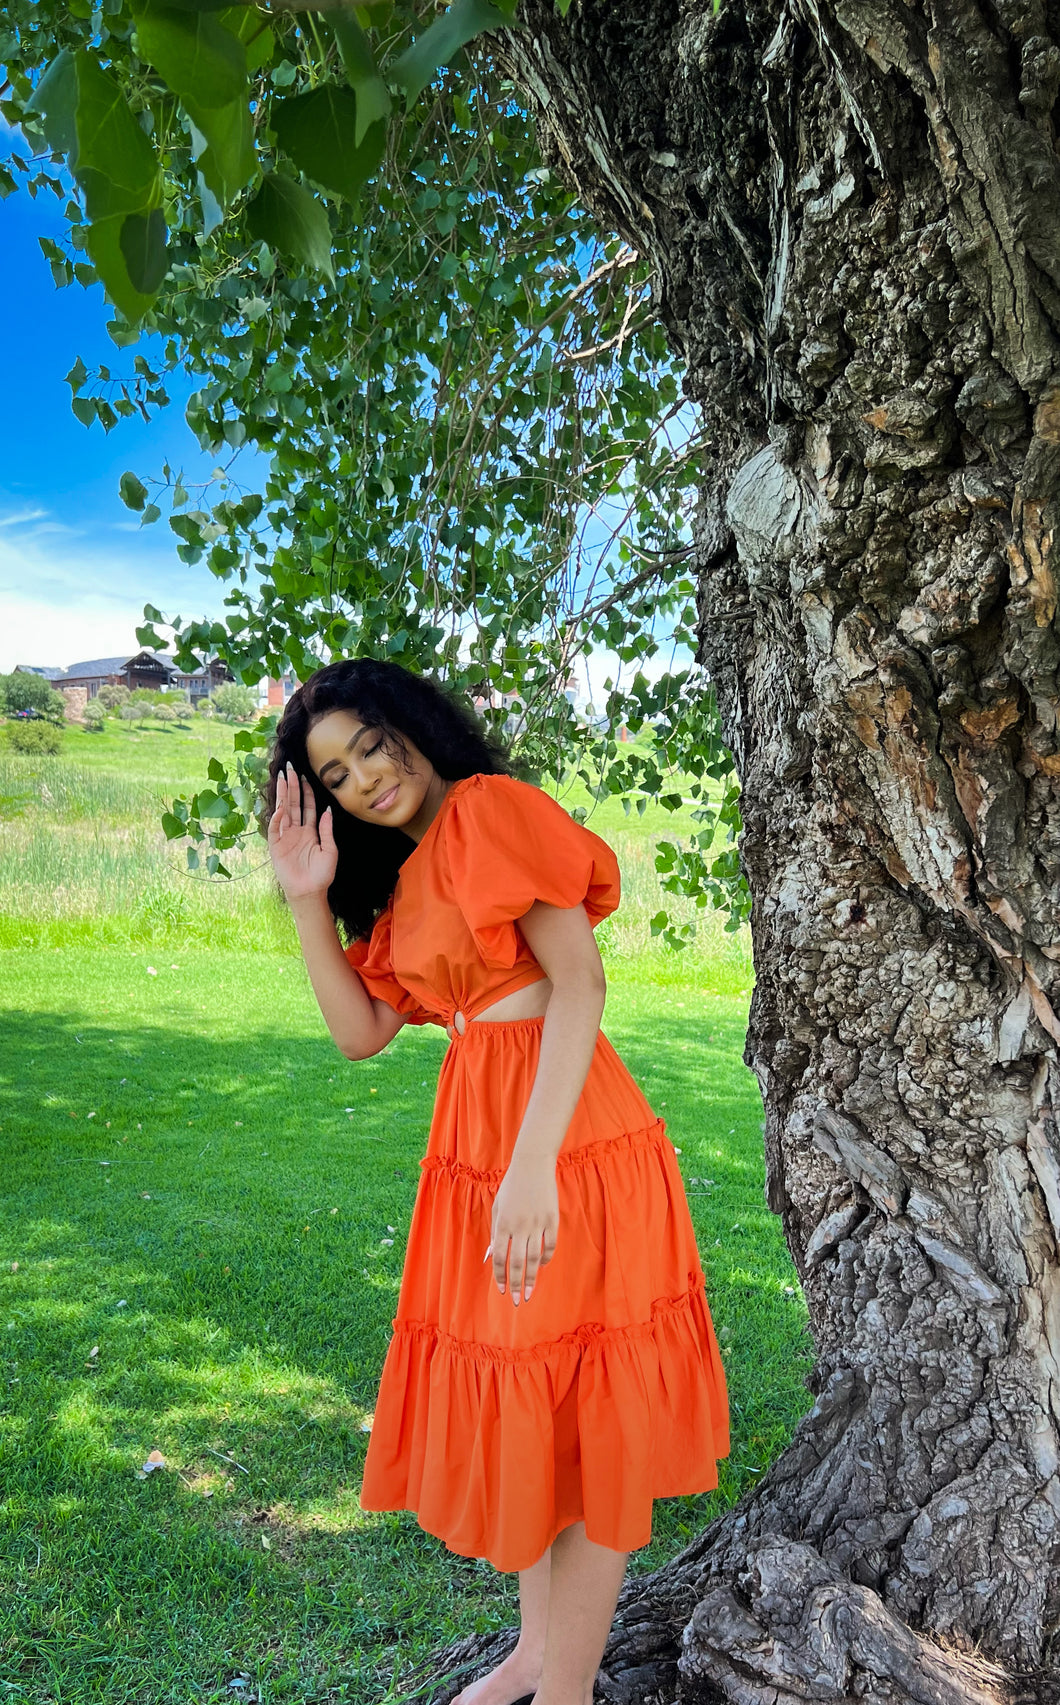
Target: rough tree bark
x=854 y=213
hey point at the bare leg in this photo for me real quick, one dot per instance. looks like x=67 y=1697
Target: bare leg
x=520 y=1673
x=584 y=1584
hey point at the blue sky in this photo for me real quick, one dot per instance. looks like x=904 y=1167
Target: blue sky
x=75 y=567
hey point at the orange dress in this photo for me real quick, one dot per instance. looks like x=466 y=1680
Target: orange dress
x=499 y=1426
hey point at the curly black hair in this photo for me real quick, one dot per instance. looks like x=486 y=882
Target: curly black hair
x=399 y=704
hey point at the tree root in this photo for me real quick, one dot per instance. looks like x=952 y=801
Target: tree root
x=790 y=1630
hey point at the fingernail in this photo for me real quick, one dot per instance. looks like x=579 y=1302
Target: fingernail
x=515 y=1299
x=529 y=1293
x=487 y=1255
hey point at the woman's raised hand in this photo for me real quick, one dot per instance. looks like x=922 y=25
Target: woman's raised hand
x=304 y=855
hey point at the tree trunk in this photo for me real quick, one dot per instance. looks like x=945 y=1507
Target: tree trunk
x=854 y=212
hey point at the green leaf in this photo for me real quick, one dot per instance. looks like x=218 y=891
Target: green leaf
x=288 y=218
x=211 y=805
x=318 y=132
x=133 y=492
x=115 y=163
x=103 y=242
x=142 y=238
x=172 y=827
x=224 y=146
x=193 y=53
x=246 y=22
x=362 y=73
x=55 y=100
x=441 y=42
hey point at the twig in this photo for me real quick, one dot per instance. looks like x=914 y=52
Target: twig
x=222 y=1458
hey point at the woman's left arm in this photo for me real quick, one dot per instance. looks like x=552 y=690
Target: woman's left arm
x=525 y=1209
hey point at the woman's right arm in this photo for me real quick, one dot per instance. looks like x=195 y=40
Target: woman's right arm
x=360 y=1025
x=304 y=861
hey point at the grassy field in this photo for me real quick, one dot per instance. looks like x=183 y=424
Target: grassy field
x=202 y=1238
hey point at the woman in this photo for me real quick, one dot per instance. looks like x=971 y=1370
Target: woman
x=529 y=1409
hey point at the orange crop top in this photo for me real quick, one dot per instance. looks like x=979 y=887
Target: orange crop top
x=448 y=940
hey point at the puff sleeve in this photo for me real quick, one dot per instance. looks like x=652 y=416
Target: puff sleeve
x=371 y=960
x=510 y=844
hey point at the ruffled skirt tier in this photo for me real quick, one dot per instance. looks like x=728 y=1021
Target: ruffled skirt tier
x=499 y=1426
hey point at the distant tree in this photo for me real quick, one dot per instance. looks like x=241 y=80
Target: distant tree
x=112 y=697
x=94 y=716
x=234 y=702
x=23 y=691
x=131 y=712
x=165 y=713
x=205 y=707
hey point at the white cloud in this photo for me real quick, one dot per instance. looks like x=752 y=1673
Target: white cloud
x=22 y=518
x=64 y=599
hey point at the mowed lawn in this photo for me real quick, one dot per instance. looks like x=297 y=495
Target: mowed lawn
x=205 y=1212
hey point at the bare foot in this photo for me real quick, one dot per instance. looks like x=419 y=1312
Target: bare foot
x=513 y=1680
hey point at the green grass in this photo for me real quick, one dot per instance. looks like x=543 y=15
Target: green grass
x=192 y=1259
x=159 y=755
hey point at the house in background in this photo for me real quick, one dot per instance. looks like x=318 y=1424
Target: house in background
x=152 y=669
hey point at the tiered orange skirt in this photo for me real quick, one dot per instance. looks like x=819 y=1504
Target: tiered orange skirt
x=499 y=1426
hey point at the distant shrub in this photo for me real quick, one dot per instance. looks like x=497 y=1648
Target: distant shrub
x=184 y=710
x=147 y=695
x=234 y=702
x=34 y=739
x=112 y=698
x=205 y=707
x=132 y=713
x=94 y=716
x=165 y=713
x=21 y=692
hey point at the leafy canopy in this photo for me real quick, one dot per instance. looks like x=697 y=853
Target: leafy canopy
x=447 y=428
x=22 y=691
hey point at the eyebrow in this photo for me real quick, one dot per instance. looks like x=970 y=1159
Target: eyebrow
x=336 y=763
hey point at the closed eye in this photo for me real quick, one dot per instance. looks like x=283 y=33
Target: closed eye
x=335 y=782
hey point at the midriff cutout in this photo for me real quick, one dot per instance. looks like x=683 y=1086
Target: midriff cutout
x=527 y=1002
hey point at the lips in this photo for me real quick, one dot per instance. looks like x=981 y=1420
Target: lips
x=387 y=799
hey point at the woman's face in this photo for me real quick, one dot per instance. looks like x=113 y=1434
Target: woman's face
x=369 y=778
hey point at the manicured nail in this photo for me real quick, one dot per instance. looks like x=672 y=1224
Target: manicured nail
x=529 y=1293
x=487 y=1255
